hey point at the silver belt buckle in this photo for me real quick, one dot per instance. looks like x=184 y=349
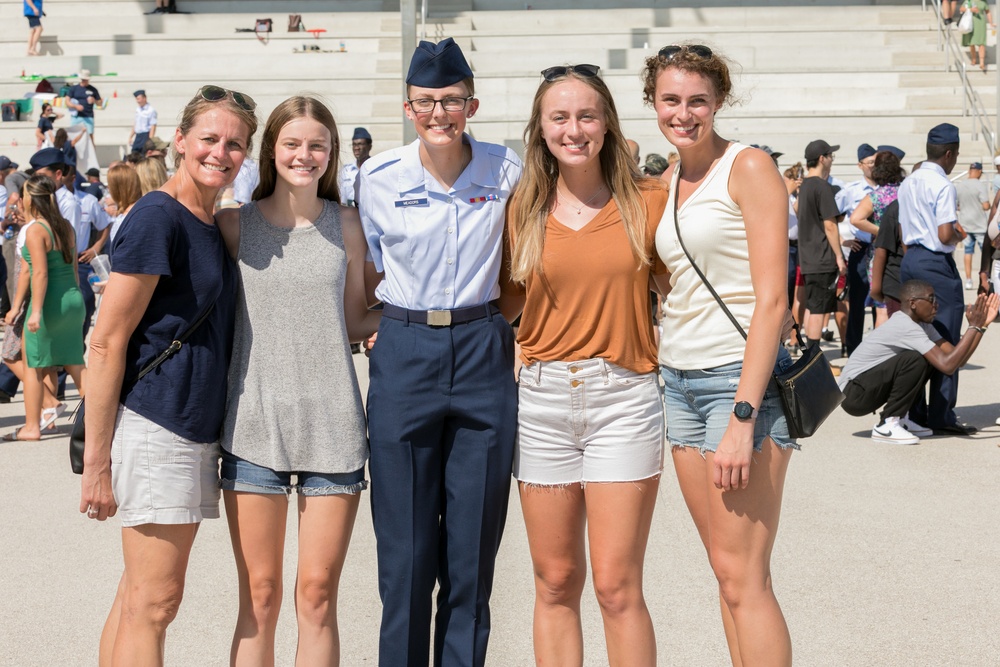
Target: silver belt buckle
x=439 y=318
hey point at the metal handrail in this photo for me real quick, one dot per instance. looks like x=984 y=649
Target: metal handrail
x=954 y=58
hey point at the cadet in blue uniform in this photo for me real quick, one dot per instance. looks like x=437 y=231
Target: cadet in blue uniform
x=928 y=220
x=442 y=404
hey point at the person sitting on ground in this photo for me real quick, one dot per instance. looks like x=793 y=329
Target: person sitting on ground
x=894 y=362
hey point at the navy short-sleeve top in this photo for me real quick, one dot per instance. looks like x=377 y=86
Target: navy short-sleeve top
x=45 y=124
x=186 y=394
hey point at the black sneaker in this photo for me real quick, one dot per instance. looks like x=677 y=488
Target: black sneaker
x=4 y=396
x=827 y=335
x=958 y=428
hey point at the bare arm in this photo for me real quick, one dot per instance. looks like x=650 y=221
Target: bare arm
x=859 y=218
x=228 y=221
x=512 y=295
x=90 y=253
x=948 y=358
x=757 y=187
x=20 y=296
x=372 y=279
x=878 y=272
x=950 y=233
x=833 y=236
x=361 y=322
x=125 y=300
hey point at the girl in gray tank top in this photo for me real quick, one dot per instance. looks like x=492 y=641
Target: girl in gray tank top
x=294 y=418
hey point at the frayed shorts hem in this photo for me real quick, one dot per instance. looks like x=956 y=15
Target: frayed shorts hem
x=331 y=490
x=758 y=447
x=585 y=482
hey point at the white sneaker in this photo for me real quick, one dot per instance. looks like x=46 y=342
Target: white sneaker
x=915 y=428
x=968 y=283
x=890 y=431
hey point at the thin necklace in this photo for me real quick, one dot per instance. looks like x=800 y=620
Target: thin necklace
x=579 y=210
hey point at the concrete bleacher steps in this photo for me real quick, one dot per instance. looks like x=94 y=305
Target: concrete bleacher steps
x=848 y=72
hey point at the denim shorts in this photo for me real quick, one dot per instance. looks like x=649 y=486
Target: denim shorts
x=241 y=475
x=971 y=239
x=699 y=404
x=160 y=477
x=587 y=421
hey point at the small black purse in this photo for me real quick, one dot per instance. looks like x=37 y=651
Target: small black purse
x=78 y=436
x=808 y=390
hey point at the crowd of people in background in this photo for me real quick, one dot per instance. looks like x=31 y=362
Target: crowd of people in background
x=270 y=270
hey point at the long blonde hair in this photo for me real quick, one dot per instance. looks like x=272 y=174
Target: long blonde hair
x=152 y=174
x=533 y=196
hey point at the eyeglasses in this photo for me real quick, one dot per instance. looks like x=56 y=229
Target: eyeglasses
x=553 y=73
x=427 y=104
x=216 y=93
x=932 y=299
x=700 y=50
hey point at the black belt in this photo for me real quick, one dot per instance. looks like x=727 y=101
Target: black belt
x=441 y=318
x=914 y=246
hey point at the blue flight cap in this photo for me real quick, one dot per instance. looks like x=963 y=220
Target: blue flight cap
x=437 y=65
x=976 y=165
x=6 y=164
x=361 y=133
x=47 y=157
x=891 y=149
x=865 y=151
x=138 y=93
x=942 y=134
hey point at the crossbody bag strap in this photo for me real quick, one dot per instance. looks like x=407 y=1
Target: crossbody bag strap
x=177 y=344
x=677 y=229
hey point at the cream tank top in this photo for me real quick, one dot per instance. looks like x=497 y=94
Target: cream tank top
x=696 y=332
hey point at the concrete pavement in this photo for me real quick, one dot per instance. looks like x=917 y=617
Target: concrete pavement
x=887 y=555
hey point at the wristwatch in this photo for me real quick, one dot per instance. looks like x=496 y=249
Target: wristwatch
x=744 y=411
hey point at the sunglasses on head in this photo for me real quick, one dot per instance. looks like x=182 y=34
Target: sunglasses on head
x=700 y=50
x=216 y=93
x=559 y=71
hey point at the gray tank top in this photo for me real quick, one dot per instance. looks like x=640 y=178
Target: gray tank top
x=294 y=403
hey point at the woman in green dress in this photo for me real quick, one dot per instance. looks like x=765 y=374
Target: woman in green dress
x=53 y=330
x=977 y=38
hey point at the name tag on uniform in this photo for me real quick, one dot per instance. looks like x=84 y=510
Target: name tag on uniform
x=403 y=203
x=476 y=200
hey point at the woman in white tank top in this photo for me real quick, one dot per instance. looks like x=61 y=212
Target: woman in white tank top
x=728 y=434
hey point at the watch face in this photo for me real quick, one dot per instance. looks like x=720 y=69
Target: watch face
x=743 y=410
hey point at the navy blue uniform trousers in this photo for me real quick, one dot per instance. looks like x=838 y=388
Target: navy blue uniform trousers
x=857 y=292
x=442 y=418
x=940 y=271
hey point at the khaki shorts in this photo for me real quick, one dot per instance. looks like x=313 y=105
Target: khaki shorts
x=159 y=477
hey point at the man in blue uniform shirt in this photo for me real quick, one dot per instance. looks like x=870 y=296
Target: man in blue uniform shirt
x=930 y=230
x=442 y=404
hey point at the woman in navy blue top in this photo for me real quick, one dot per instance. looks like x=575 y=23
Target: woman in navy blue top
x=45 y=131
x=152 y=447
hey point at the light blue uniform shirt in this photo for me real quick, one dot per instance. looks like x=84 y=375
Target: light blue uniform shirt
x=927 y=201
x=348 y=183
x=848 y=199
x=438 y=248
x=145 y=118
x=91 y=213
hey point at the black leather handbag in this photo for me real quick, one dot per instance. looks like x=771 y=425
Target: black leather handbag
x=808 y=390
x=78 y=436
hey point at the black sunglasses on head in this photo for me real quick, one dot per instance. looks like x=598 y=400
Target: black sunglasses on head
x=216 y=93
x=700 y=50
x=559 y=71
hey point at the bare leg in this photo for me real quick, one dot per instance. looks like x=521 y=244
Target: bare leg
x=555 y=517
x=619 y=516
x=257 y=528
x=840 y=317
x=32 y=404
x=814 y=325
x=325 y=527
x=111 y=627
x=156 y=558
x=982 y=57
x=79 y=375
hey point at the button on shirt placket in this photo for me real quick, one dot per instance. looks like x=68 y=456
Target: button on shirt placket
x=451 y=247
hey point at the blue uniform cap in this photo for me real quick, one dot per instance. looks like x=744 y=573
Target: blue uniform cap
x=6 y=164
x=361 y=133
x=865 y=151
x=976 y=165
x=942 y=134
x=138 y=93
x=437 y=65
x=891 y=149
x=47 y=157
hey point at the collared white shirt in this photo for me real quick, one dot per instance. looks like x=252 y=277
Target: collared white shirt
x=439 y=248
x=927 y=201
x=91 y=213
x=69 y=206
x=348 y=180
x=145 y=118
x=848 y=199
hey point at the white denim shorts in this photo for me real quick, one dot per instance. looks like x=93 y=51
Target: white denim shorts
x=587 y=421
x=159 y=477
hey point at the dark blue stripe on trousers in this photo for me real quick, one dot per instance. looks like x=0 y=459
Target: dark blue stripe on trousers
x=442 y=413
x=940 y=271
